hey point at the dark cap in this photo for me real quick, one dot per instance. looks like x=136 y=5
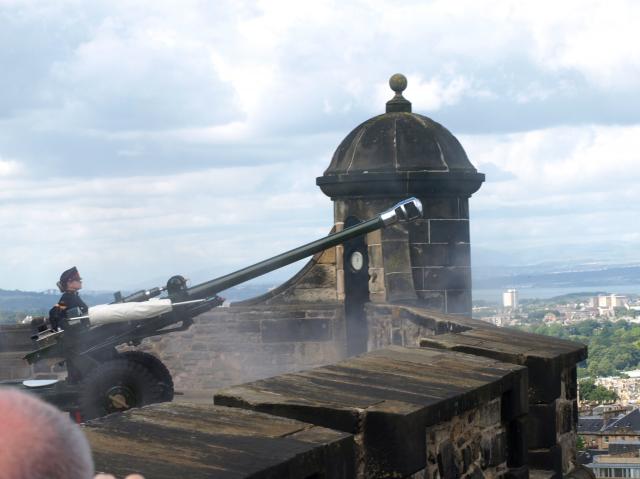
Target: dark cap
x=69 y=275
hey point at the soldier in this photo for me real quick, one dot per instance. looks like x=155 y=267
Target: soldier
x=69 y=285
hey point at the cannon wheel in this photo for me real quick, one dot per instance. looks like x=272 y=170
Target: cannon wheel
x=116 y=386
x=157 y=368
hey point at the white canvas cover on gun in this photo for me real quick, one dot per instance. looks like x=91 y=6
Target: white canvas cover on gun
x=119 y=312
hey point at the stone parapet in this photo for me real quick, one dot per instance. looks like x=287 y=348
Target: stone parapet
x=414 y=412
x=551 y=362
x=168 y=441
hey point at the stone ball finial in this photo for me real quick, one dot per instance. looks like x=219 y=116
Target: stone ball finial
x=398 y=83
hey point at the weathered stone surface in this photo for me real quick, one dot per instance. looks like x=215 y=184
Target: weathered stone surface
x=389 y=397
x=198 y=441
x=458 y=302
x=296 y=330
x=432 y=299
x=447 y=461
x=549 y=459
x=418 y=231
x=494 y=449
x=518 y=448
x=448 y=231
x=15 y=337
x=564 y=419
x=516 y=473
x=447 y=277
x=399 y=286
x=542 y=425
x=441 y=208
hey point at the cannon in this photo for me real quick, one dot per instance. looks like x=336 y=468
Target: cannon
x=101 y=380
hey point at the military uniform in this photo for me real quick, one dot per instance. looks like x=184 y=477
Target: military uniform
x=69 y=300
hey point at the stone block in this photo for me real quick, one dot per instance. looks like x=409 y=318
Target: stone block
x=221 y=442
x=375 y=237
x=517 y=449
x=459 y=254
x=515 y=402
x=463 y=208
x=429 y=254
x=447 y=466
x=312 y=295
x=447 y=277
x=375 y=256
x=396 y=256
x=542 y=428
x=252 y=326
x=418 y=231
x=442 y=208
x=494 y=449
x=398 y=231
x=393 y=443
x=564 y=416
x=448 y=231
x=572 y=383
x=459 y=302
x=418 y=278
x=546 y=459
x=432 y=299
x=295 y=330
x=521 y=472
x=319 y=276
x=376 y=280
x=399 y=286
x=544 y=379
x=489 y=413
x=328 y=256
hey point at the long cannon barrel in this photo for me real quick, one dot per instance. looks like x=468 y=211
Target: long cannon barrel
x=406 y=210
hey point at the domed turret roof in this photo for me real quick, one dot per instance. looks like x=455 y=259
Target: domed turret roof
x=398 y=145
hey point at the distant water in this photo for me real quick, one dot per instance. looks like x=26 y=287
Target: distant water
x=495 y=295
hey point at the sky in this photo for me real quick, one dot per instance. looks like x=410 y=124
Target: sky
x=144 y=139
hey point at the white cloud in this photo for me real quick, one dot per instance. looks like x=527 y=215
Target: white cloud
x=10 y=167
x=568 y=186
x=135 y=127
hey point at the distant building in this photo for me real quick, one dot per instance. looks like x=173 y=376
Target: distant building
x=606 y=303
x=510 y=298
x=615 y=466
x=599 y=431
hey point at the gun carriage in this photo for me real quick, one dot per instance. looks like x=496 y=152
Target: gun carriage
x=101 y=380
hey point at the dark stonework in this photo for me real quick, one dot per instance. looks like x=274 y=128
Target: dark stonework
x=448 y=277
x=447 y=461
x=296 y=330
x=542 y=425
x=449 y=231
x=547 y=459
x=398 y=401
x=458 y=302
x=518 y=449
x=494 y=450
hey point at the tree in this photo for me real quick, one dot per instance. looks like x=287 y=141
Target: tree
x=590 y=391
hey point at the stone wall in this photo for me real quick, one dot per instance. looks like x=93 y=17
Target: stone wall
x=414 y=412
x=553 y=414
x=15 y=342
x=237 y=344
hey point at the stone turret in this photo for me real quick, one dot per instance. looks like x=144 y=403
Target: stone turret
x=387 y=158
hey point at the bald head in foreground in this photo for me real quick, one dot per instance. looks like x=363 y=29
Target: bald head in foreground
x=37 y=441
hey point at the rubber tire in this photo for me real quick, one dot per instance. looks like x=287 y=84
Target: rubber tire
x=131 y=376
x=157 y=368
